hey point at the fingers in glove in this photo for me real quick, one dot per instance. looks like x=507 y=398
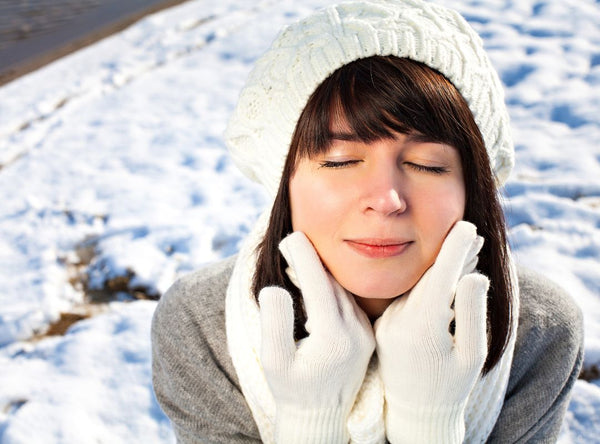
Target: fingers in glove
x=471 y=318
x=446 y=271
x=348 y=308
x=320 y=304
x=385 y=322
x=277 y=327
x=472 y=258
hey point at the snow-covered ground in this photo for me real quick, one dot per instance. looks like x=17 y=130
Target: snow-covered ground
x=114 y=177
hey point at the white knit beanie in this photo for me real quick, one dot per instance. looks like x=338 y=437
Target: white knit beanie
x=308 y=51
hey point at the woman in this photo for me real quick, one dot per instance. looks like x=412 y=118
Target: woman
x=376 y=299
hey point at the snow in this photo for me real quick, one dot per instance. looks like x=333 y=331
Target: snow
x=86 y=387
x=115 y=153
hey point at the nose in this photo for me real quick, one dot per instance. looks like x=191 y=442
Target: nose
x=384 y=193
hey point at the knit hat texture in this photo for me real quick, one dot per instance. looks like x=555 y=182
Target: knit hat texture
x=306 y=52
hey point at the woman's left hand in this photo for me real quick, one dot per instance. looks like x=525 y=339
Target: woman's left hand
x=428 y=372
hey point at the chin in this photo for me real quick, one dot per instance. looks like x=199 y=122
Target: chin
x=383 y=281
x=391 y=283
x=376 y=290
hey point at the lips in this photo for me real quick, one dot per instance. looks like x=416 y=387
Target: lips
x=378 y=248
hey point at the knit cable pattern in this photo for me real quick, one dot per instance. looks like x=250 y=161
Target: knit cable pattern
x=308 y=51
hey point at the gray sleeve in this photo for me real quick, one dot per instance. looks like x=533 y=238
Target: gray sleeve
x=192 y=373
x=547 y=361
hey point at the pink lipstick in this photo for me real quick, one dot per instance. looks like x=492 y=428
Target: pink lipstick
x=378 y=248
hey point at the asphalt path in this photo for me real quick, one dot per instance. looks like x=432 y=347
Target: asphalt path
x=36 y=32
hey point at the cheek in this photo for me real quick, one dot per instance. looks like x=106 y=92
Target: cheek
x=304 y=203
x=449 y=205
x=317 y=205
x=446 y=207
x=302 y=210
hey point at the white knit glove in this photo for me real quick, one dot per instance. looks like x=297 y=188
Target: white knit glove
x=315 y=383
x=427 y=372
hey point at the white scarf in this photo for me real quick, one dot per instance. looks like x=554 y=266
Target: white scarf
x=365 y=424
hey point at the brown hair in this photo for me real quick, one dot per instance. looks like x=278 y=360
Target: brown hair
x=378 y=96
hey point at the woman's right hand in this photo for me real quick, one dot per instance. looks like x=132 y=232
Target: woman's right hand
x=315 y=383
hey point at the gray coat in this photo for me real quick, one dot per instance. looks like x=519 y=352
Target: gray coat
x=197 y=386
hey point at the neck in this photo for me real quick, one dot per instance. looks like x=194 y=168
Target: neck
x=373 y=307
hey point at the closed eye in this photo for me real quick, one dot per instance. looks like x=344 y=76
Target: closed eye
x=338 y=164
x=428 y=169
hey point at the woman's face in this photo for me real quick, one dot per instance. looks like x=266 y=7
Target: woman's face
x=377 y=213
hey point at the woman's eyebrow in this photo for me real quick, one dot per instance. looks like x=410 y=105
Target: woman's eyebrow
x=418 y=137
x=345 y=136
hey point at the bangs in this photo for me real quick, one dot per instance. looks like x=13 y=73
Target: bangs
x=378 y=96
